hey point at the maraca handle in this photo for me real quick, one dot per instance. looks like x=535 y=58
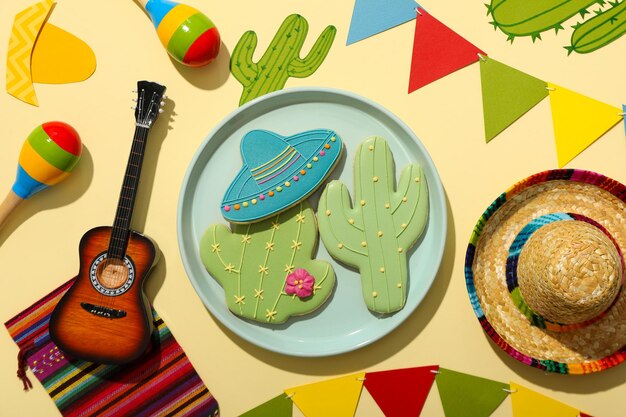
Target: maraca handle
x=9 y=204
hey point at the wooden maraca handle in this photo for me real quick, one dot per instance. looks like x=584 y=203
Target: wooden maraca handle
x=9 y=204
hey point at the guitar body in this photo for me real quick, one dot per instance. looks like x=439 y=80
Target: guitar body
x=105 y=316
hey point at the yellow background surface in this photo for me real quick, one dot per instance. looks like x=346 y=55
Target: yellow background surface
x=39 y=244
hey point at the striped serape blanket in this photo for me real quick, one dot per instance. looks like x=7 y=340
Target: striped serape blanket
x=161 y=383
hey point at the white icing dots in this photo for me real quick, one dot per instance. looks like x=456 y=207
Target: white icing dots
x=253 y=201
x=403 y=225
x=417 y=179
x=340 y=245
x=287 y=184
x=400 y=250
x=362 y=202
x=375 y=179
x=382 y=269
x=375 y=294
x=351 y=221
x=328 y=212
x=371 y=147
x=380 y=233
x=315 y=159
x=387 y=205
x=399 y=285
x=364 y=244
x=404 y=199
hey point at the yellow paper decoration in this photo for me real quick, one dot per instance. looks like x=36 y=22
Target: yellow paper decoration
x=526 y=403
x=26 y=27
x=578 y=121
x=60 y=57
x=337 y=397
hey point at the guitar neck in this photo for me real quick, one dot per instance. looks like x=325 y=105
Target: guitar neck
x=126 y=202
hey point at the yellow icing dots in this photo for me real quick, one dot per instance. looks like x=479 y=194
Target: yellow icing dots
x=375 y=294
x=309 y=166
x=403 y=225
x=404 y=199
x=417 y=179
x=340 y=246
x=328 y=212
x=380 y=233
x=287 y=184
x=387 y=205
x=333 y=139
x=364 y=244
x=351 y=221
x=245 y=204
x=400 y=250
x=253 y=201
x=279 y=189
x=371 y=147
x=362 y=202
x=382 y=269
x=375 y=179
x=399 y=285
x=315 y=159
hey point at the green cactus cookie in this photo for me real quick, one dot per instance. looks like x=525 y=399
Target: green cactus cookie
x=281 y=60
x=600 y=30
x=375 y=233
x=266 y=268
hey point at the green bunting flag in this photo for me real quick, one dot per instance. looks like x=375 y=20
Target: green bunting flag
x=507 y=95
x=464 y=395
x=280 y=406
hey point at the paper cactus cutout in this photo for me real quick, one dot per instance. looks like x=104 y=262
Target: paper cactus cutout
x=523 y=18
x=252 y=262
x=375 y=233
x=281 y=60
x=602 y=29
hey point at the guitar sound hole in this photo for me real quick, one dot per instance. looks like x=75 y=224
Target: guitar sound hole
x=112 y=273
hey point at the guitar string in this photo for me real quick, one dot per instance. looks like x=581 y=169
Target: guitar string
x=129 y=195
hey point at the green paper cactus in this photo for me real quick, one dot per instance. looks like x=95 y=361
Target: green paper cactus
x=281 y=60
x=600 y=30
x=532 y=18
x=375 y=233
x=252 y=262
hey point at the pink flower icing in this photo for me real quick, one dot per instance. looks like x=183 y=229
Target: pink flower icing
x=300 y=283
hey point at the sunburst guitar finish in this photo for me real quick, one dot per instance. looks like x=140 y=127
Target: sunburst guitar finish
x=105 y=316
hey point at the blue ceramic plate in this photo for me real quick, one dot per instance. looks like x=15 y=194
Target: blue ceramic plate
x=344 y=322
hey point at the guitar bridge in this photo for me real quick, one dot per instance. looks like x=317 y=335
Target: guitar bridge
x=105 y=312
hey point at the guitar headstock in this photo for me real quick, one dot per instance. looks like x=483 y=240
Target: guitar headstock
x=149 y=101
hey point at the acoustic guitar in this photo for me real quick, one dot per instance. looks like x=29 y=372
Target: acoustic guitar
x=105 y=316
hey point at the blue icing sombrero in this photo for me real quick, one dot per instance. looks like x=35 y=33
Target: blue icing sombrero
x=278 y=172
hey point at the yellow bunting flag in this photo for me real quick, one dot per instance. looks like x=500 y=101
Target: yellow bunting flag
x=527 y=403
x=26 y=27
x=578 y=121
x=337 y=397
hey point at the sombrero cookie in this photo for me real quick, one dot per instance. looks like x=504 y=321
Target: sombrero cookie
x=374 y=234
x=266 y=268
x=545 y=271
x=279 y=172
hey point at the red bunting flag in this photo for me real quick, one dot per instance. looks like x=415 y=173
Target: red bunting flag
x=401 y=392
x=437 y=51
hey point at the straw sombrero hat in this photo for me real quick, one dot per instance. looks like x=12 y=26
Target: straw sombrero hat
x=279 y=172
x=545 y=269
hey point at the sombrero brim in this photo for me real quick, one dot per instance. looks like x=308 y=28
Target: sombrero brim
x=592 y=348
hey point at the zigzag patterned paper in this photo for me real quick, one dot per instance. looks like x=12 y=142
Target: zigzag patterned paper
x=26 y=27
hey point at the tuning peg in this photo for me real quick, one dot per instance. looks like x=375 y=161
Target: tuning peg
x=162 y=104
x=160 y=111
x=164 y=97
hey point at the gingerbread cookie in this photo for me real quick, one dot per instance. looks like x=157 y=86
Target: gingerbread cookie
x=375 y=233
x=279 y=172
x=266 y=268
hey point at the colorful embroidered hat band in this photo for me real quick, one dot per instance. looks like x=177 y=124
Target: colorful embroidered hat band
x=544 y=271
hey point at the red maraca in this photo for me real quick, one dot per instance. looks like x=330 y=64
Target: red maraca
x=48 y=156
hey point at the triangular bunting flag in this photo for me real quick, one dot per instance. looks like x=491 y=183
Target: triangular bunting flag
x=467 y=395
x=437 y=51
x=280 y=406
x=530 y=403
x=578 y=121
x=371 y=17
x=401 y=392
x=507 y=95
x=584 y=415
x=624 y=112
x=337 y=397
